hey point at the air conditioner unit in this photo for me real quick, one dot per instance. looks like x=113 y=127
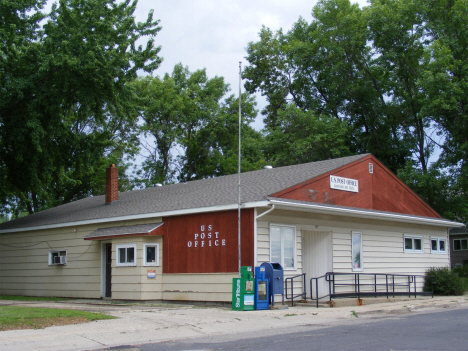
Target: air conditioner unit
x=60 y=260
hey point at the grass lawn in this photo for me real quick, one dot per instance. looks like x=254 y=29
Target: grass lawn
x=14 y=317
x=32 y=298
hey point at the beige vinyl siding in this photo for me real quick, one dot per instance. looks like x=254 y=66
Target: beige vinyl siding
x=382 y=243
x=24 y=268
x=132 y=282
x=263 y=251
x=30 y=274
x=151 y=289
x=198 y=287
x=263 y=242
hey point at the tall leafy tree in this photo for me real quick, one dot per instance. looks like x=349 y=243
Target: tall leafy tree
x=191 y=128
x=398 y=37
x=301 y=136
x=66 y=109
x=161 y=113
x=218 y=141
x=445 y=83
x=202 y=97
x=327 y=66
x=395 y=71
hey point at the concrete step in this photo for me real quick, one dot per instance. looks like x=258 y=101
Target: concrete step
x=349 y=302
x=308 y=303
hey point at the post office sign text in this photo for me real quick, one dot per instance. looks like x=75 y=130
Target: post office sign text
x=345 y=184
x=206 y=237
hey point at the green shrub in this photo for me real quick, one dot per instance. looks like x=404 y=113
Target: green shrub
x=465 y=283
x=461 y=271
x=445 y=281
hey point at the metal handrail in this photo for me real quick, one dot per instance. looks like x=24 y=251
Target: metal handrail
x=304 y=292
x=317 y=298
x=358 y=285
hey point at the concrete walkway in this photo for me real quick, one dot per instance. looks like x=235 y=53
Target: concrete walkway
x=146 y=323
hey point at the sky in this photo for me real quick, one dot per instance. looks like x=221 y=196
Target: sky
x=214 y=34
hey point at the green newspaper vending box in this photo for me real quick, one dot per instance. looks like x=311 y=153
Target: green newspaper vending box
x=243 y=290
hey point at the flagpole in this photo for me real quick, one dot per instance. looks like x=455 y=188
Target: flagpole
x=239 y=175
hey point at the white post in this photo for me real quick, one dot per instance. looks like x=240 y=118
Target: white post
x=239 y=175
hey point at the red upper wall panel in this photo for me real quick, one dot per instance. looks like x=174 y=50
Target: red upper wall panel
x=380 y=190
x=207 y=242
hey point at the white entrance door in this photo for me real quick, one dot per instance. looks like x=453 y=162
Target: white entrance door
x=317 y=250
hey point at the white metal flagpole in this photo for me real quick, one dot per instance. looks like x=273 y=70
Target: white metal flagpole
x=239 y=175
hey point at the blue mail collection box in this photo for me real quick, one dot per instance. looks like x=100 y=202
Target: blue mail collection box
x=274 y=272
x=261 y=289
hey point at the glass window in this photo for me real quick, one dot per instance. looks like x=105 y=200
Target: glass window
x=408 y=244
x=283 y=246
x=413 y=244
x=442 y=245
x=126 y=255
x=275 y=244
x=438 y=245
x=357 y=251
x=460 y=244
x=289 y=244
x=417 y=244
x=151 y=255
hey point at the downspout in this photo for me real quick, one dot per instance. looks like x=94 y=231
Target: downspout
x=255 y=230
x=266 y=212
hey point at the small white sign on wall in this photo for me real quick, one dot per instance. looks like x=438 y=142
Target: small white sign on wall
x=151 y=274
x=345 y=184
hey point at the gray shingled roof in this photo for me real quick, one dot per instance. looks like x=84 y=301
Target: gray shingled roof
x=123 y=230
x=256 y=186
x=462 y=230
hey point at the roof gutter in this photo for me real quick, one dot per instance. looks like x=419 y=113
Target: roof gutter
x=138 y=216
x=274 y=203
x=340 y=211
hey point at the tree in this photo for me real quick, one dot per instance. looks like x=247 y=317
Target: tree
x=187 y=111
x=202 y=97
x=66 y=108
x=218 y=142
x=398 y=37
x=327 y=66
x=394 y=71
x=161 y=112
x=300 y=136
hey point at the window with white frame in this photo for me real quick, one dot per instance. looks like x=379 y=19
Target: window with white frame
x=413 y=244
x=438 y=245
x=356 y=250
x=460 y=244
x=283 y=245
x=57 y=257
x=126 y=255
x=151 y=254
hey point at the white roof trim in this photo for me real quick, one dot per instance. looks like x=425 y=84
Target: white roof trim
x=340 y=211
x=138 y=216
x=310 y=207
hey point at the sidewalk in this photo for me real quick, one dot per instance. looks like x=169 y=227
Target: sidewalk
x=144 y=323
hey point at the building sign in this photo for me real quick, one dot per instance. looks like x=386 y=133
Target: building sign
x=206 y=237
x=345 y=184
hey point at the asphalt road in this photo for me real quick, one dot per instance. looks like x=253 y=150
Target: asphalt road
x=446 y=330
